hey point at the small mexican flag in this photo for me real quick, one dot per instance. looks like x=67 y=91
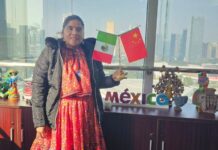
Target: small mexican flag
x=104 y=47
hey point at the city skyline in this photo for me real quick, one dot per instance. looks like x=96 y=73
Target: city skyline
x=176 y=16
x=181 y=13
x=182 y=48
x=23 y=33
x=119 y=23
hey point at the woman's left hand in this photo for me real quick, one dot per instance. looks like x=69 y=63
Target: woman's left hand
x=119 y=75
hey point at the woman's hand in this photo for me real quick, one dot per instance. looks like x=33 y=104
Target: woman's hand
x=40 y=132
x=119 y=75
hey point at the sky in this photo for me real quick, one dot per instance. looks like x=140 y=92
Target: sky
x=35 y=12
x=181 y=12
x=125 y=14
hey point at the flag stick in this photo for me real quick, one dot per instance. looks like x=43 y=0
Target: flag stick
x=119 y=53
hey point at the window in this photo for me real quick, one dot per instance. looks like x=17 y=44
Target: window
x=187 y=37
x=186 y=34
x=25 y=24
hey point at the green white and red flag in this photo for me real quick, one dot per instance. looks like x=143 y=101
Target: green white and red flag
x=104 y=47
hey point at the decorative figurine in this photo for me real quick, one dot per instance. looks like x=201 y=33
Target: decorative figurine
x=9 y=86
x=203 y=81
x=4 y=86
x=204 y=98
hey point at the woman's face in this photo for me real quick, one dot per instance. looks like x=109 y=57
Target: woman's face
x=73 y=33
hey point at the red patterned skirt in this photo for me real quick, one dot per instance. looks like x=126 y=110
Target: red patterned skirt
x=77 y=128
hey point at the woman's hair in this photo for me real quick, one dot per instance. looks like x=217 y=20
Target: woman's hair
x=70 y=18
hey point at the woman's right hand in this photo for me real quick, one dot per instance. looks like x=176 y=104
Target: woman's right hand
x=119 y=75
x=40 y=132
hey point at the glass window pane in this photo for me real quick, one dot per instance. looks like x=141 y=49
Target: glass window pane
x=24 y=24
x=187 y=37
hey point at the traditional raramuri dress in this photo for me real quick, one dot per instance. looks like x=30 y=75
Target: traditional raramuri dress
x=77 y=126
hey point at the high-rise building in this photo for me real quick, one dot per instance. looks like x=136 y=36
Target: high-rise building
x=35 y=42
x=16 y=14
x=22 y=43
x=110 y=27
x=159 y=48
x=205 y=50
x=212 y=50
x=3 y=31
x=182 y=47
x=11 y=41
x=54 y=12
x=196 y=40
x=162 y=47
x=166 y=43
x=174 y=47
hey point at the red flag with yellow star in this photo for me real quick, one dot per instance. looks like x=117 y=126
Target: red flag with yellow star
x=133 y=45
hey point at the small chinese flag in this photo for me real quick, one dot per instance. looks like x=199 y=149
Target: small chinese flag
x=133 y=45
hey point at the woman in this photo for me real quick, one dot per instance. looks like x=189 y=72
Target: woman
x=66 y=102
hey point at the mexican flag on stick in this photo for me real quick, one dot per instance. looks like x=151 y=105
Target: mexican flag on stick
x=104 y=47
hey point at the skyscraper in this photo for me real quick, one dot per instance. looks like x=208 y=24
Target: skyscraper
x=159 y=48
x=205 y=50
x=174 y=47
x=16 y=14
x=110 y=27
x=162 y=47
x=212 y=50
x=182 y=47
x=196 y=40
